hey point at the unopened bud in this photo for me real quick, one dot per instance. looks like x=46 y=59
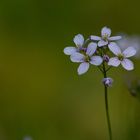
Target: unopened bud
x=106 y=58
x=107 y=81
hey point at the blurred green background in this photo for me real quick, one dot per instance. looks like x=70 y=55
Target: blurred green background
x=41 y=95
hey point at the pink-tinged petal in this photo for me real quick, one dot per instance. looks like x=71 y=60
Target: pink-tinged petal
x=96 y=60
x=130 y=51
x=127 y=64
x=114 y=48
x=91 y=49
x=114 y=61
x=70 y=50
x=96 y=38
x=113 y=38
x=106 y=31
x=79 y=40
x=83 y=68
x=102 y=43
x=77 y=57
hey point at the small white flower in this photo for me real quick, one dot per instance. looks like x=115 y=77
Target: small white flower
x=107 y=81
x=79 y=42
x=86 y=59
x=105 y=37
x=121 y=57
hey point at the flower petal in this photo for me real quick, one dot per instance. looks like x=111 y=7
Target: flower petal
x=114 y=48
x=77 y=57
x=70 y=50
x=96 y=38
x=83 y=68
x=113 y=38
x=91 y=49
x=130 y=51
x=102 y=43
x=106 y=31
x=79 y=40
x=127 y=64
x=96 y=60
x=114 y=61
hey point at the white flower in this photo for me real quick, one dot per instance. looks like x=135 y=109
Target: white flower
x=86 y=59
x=107 y=81
x=121 y=57
x=79 y=42
x=105 y=37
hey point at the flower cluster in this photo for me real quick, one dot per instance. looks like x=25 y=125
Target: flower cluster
x=100 y=51
x=105 y=53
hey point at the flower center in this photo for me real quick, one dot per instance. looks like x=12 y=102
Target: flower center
x=82 y=49
x=79 y=46
x=120 y=57
x=105 y=37
x=87 y=58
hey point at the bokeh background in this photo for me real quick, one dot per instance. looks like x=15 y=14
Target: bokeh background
x=41 y=95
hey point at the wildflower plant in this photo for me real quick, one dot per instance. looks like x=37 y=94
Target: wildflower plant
x=104 y=53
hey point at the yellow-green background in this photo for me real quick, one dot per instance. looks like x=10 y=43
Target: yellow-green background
x=41 y=94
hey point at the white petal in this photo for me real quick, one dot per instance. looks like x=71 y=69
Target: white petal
x=96 y=60
x=113 y=38
x=130 y=51
x=77 y=57
x=83 y=68
x=127 y=64
x=96 y=38
x=106 y=31
x=91 y=49
x=102 y=43
x=70 y=50
x=114 y=48
x=114 y=61
x=79 y=40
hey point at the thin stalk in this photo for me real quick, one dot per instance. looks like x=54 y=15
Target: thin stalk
x=106 y=104
x=108 y=69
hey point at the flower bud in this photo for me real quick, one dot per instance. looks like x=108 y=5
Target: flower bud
x=107 y=81
x=106 y=58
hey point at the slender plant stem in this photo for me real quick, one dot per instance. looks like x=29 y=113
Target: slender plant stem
x=108 y=69
x=107 y=114
x=106 y=104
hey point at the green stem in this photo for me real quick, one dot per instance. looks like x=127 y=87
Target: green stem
x=106 y=104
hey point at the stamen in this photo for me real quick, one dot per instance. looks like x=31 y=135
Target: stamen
x=120 y=57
